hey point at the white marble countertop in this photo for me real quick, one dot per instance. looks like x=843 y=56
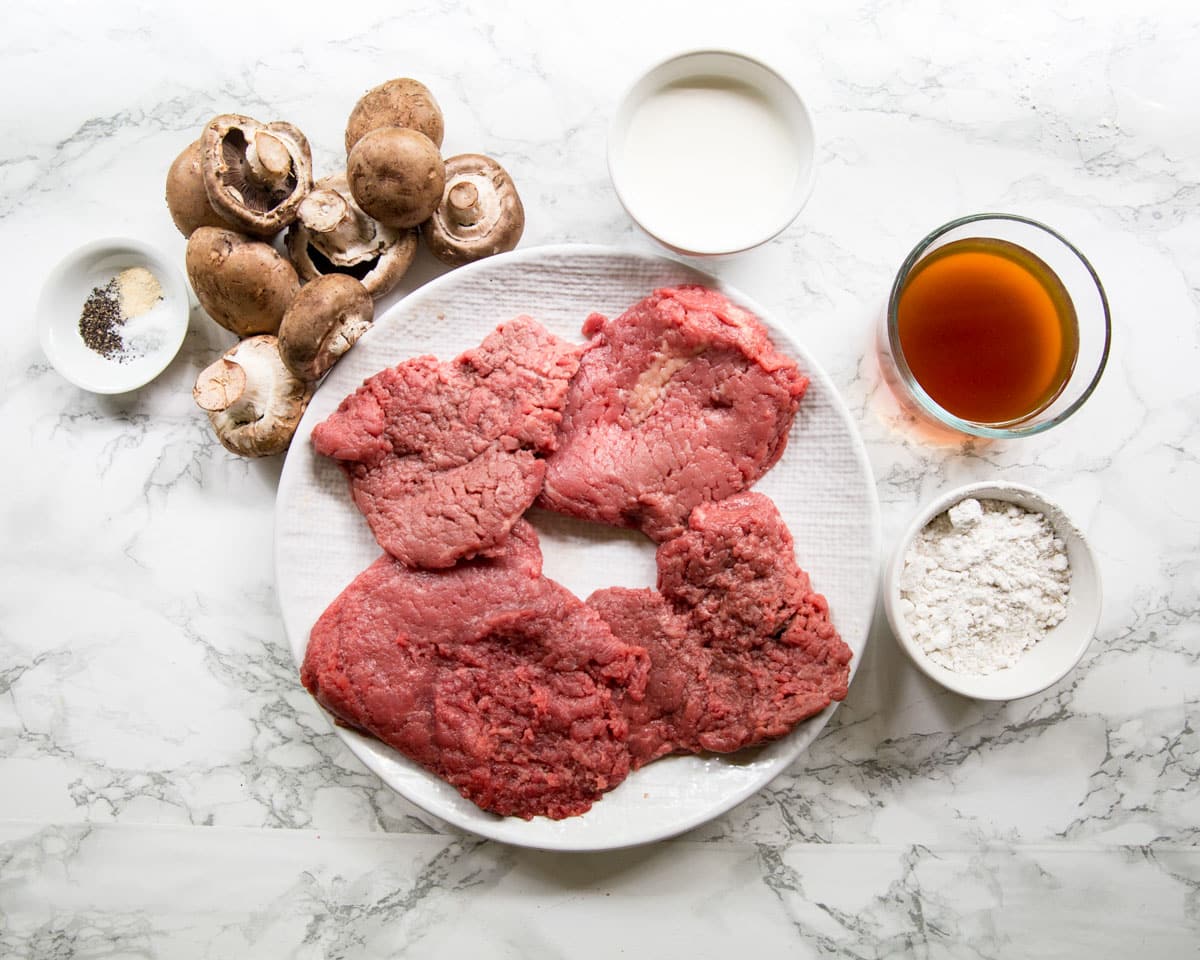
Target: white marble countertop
x=167 y=788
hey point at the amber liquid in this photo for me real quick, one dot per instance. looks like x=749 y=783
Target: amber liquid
x=988 y=330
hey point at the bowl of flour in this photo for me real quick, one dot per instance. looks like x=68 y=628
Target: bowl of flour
x=993 y=592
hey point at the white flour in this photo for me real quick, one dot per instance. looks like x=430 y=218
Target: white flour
x=982 y=583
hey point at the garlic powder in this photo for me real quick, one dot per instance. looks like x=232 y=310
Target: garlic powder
x=982 y=583
x=110 y=322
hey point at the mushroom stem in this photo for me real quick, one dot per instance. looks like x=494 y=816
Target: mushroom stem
x=323 y=210
x=255 y=174
x=268 y=158
x=463 y=203
x=480 y=213
x=254 y=402
x=220 y=385
x=333 y=223
x=333 y=235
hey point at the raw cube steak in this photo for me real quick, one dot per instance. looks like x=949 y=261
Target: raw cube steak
x=679 y=401
x=443 y=458
x=491 y=676
x=741 y=648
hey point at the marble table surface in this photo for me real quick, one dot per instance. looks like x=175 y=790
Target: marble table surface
x=168 y=789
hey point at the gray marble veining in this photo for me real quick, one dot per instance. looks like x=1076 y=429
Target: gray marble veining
x=168 y=789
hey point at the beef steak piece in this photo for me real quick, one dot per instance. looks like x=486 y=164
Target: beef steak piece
x=675 y=692
x=777 y=657
x=679 y=401
x=489 y=675
x=443 y=458
x=741 y=648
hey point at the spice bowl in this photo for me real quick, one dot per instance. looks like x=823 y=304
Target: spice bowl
x=1057 y=652
x=84 y=344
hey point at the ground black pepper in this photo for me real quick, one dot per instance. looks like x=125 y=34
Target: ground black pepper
x=101 y=319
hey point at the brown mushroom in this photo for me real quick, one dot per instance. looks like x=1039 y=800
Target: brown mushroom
x=186 y=197
x=243 y=284
x=480 y=213
x=332 y=235
x=255 y=174
x=396 y=175
x=324 y=321
x=254 y=402
x=398 y=103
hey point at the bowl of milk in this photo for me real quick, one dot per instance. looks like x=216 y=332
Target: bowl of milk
x=712 y=153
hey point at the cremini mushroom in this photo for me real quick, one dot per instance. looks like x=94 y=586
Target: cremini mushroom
x=332 y=235
x=253 y=401
x=245 y=285
x=480 y=213
x=324 y=321
x=402 y=102
x=255 y=174
x=396 y=175
x=186 y=197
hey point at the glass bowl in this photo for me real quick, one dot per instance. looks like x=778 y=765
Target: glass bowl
x=1079 y=287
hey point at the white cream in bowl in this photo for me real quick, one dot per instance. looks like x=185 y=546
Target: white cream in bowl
x=712 y=153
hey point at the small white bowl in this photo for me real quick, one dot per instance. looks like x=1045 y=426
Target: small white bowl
x=674 y=141
x=1052 y=657
x=67 y=288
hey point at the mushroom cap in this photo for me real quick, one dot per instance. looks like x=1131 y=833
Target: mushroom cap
x=243 y=284
x=186 y=197
x=323 y=322
x=254 y=402
x=402 y=102
x=480 y=213
x=332 y=235
x=396 y=175
x=255 y=174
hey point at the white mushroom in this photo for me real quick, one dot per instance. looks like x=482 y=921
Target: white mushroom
x=324 y=321
x=255 y=174
x=253 y=401
x=396 y=175
x=402 y=102
x=243 y=284
x=186 y=197
x=333 y=235
x=480 y=214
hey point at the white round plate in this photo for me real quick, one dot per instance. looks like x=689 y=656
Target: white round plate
x=822 y=485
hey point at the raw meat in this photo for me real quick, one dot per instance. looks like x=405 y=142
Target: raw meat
x=741 y=648
x=456 y=651
x=675 y=697
x=444 y=457
x=489 y=675
x=679 y=401
x=777 y=658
